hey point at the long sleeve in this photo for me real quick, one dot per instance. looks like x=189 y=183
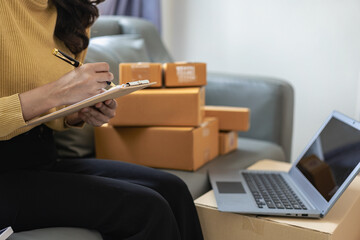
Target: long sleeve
x=11 y=117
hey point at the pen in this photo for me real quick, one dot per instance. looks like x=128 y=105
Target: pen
x=63 y=56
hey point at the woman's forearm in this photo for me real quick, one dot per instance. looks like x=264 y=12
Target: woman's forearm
x=37 y=101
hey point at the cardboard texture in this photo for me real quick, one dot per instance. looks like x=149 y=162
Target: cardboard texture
x=230 y=118
x=129 y=72
x=340 y=223
x=228 y=141
x=184 y=74
x=183 y=148
x=161 y=107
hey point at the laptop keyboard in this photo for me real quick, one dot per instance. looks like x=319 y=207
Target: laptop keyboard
x=271 y=190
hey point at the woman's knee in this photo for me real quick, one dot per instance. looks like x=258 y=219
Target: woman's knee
x=170 y=183
x=141 y=212
x=157 y=215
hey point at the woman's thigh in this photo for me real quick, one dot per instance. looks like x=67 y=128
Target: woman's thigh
x=38 y=199
x=165 y=183
x=169 y=186
x=112 y=169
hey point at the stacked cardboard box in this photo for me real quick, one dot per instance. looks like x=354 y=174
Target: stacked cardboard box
x=178 y=74
x=161 y=127
x=183 y=74
x=231 y=121
x=227 y=141
x=161 y=107
x=129 y=72
x=185 y=148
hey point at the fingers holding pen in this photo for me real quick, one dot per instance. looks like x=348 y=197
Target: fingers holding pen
x=99 y=66
x=105 y=77
x=100 y=70
x=83 y=82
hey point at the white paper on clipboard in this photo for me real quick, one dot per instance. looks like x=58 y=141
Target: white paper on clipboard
x=112 y=93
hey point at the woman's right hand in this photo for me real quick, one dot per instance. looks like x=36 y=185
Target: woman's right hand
x=83 y=82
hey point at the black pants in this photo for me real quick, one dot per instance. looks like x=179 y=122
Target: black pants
x=120 y=200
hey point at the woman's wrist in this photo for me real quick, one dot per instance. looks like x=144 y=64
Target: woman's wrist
x=37 y=101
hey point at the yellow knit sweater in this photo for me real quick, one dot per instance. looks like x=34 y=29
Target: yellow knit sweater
x=26 y=60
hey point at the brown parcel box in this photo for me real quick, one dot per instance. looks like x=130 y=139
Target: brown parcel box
x=183 y=74
x=340 y=223
x=230 y=118
x=141 y=71
x=228 y=141
x=161 y=107
x=184 y=148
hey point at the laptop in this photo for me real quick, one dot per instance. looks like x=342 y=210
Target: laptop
x=309 y=189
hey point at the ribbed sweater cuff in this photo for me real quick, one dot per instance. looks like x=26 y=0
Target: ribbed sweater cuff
x=11 y=117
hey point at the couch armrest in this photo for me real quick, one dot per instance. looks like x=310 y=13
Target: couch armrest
x=271 y=103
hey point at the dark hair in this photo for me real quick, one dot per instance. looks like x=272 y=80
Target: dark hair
x=73 y=19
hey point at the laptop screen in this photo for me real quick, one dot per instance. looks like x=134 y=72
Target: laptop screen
x=331 y=158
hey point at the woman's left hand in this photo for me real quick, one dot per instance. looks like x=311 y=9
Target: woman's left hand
x=96 y=115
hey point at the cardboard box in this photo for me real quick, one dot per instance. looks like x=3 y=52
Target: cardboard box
x=228 y=141
x=340 y=223
x=183 y=148
x=230 y=118
x=183 y=74
x=161 y=107
x=129 y=72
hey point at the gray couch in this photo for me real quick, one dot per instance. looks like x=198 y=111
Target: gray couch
x=116 y=39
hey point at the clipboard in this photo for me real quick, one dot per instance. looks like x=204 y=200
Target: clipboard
x=112 y=93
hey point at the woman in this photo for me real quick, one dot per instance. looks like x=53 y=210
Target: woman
x=120 y=200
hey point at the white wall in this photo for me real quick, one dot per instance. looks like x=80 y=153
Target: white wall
x=314 y=44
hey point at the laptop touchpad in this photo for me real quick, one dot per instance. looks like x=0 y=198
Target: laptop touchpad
x=230 y=187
